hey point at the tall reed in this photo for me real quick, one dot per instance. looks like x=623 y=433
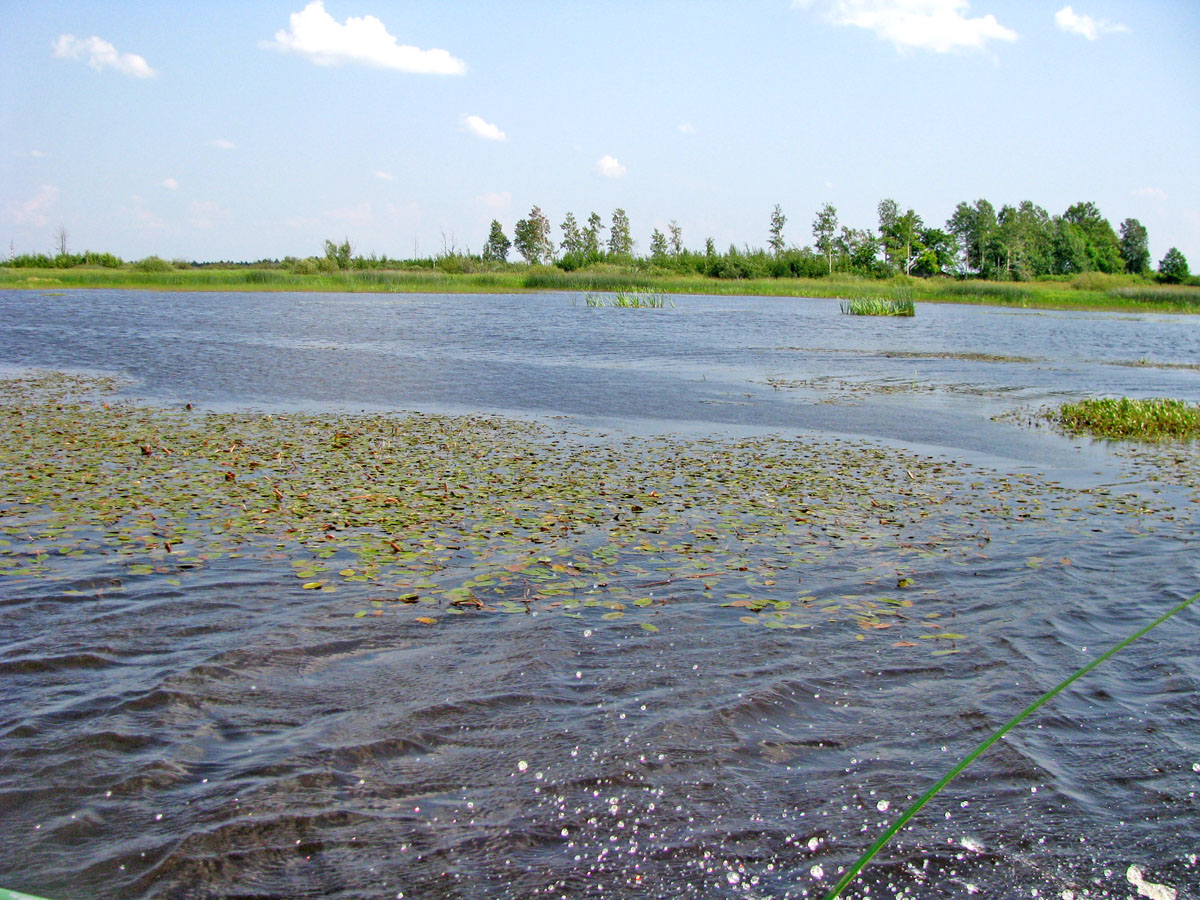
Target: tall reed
x=1033 y=707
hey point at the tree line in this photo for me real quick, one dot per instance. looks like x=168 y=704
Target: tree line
x=1014 y=243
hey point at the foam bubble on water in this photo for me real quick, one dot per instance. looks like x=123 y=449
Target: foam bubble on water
x=522 y=766
x=883 y=805
x=1149 y=889
x=817 y=872
x=971 y=844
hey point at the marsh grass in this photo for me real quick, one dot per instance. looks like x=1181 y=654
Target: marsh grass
x=1124 y=417
x=636 y=299
x=1117 y=293
x=1159 y=293
x=879 y=306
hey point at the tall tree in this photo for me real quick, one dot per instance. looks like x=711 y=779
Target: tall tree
x=1135 y=247
x=497 y=245
x=901 y=235
x=531 y=237
x=60 y=238
x=1020 y=247
x=658 y=246
x=824 y=231
x=888 y=212
x=936 y=253
x=1174 y=267
x=572 y=241
x=1068 y=248
x=974 y=226
x=1101 y=246
x=676 y=238
x=339 y=254
x=620 y=241
x=591 y=235
x=778 y=220
x=858 y=247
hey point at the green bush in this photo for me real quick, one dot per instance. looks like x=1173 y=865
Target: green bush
x=153 y=264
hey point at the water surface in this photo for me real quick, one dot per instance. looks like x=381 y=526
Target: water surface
x=234 y=736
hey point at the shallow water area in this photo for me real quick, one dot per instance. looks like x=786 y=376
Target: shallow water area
x=669 y=629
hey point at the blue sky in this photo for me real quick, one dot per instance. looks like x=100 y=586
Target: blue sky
x=234 y=130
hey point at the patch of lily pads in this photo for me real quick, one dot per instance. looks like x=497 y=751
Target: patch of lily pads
x=429 y=517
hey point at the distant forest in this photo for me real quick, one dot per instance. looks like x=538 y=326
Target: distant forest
x=1015 y=243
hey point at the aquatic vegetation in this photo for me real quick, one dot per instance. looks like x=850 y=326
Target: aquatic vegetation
x=1181 y=295
x=1125 y=417
x=430 y=517
x=996 y=735
x=878 y=306
x=631 y=299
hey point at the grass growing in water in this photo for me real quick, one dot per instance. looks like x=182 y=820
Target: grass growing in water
x=1033 y=707
x=1123 y=417
x=879 y=306
x=635 y=299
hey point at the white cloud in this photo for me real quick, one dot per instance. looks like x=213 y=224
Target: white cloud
x=384 y=176
x=1085 y=26
x=143 y=217
x=37 y=154
x=480 y=128
x=495 y=200
x=609 y=167
x=941 y=26
x=170 y=184
x=320 y=38
x=222 y=144
x=1152 y=193
x=685 y=128
x=360 y=215
x=206 y=214
x=100 y=54
x=35 y=210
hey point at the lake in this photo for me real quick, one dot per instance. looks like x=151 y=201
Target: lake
x=698 y=599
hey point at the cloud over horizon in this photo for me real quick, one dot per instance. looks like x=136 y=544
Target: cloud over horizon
x=35 y=209
x=482 y=129
x=1084 y=25
x=940 y=26
x=100 y=55
x=610 y=167
x=321 y=39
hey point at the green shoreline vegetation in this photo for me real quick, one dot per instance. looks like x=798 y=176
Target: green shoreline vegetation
x=1124 y=417
x=1019 y=256
x=1107 y=293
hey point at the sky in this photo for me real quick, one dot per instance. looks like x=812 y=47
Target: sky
x=244 y=131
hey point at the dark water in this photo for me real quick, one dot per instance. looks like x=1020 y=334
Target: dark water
x=213 y=742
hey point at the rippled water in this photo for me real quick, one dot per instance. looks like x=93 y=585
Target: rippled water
x=228 y=738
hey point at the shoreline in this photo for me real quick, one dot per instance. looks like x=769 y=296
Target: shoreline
x=1083 y=293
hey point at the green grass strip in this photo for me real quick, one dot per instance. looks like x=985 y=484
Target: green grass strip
x=1123 y=417
x=853 y=871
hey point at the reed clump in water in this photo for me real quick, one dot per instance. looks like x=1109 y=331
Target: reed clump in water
x=634 y=299
x=1125 y=417
x=879 y=306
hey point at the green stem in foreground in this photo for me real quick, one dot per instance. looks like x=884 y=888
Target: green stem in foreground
x=853 y=871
